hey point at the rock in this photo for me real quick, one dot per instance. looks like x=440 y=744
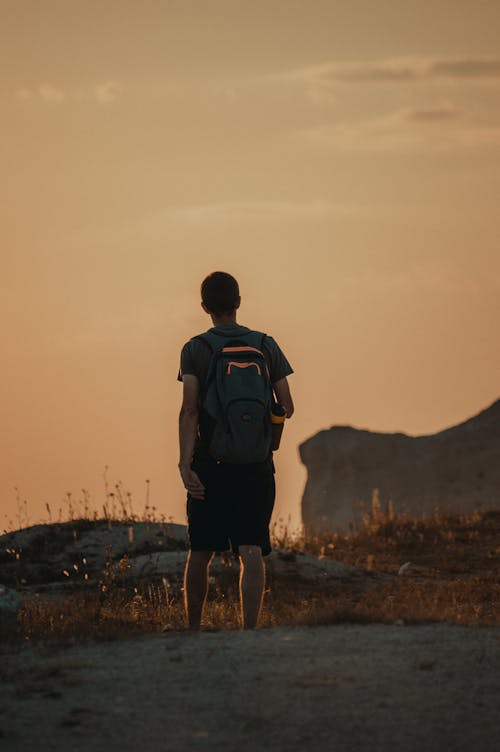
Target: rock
x=162 y=563
x=404 y=567
x=453 y=471
x=71 y=550
x=10 y=603
x=281 y=563
x=308 y=568
x=127 y=538
x=10 y=600
x=51 y=557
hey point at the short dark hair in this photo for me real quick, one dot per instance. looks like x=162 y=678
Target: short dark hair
x=220 y=293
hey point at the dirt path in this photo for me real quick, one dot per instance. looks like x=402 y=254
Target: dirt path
x=343 y=687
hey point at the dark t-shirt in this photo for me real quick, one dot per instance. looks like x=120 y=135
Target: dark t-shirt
x=196 y=357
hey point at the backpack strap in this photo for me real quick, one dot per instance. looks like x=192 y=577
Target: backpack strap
x=256 y=339
x=214 y=341
x=217 y=341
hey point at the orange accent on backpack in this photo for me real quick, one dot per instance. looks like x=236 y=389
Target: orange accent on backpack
x=242 y=365
x=242 y=348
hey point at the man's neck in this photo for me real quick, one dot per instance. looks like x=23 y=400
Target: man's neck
x=221 y=320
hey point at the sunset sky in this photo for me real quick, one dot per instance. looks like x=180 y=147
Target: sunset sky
x=341 y=159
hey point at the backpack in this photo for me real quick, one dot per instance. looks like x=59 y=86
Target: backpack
x=237 y=398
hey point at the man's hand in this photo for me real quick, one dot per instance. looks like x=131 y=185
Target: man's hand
x=192 y=483
x=283 y=395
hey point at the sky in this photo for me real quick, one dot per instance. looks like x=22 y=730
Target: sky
x=341 y=160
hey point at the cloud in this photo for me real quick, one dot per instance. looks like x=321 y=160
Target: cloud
x=445 y=111
x=398 y=70
x=107 y=92
x=227 y=215
x=23 y=94
x=467 y=68
x=166 y=222
x=51 y=93
x=104 y=93
x=438 y=128
x=386 y=71
x=249 y=210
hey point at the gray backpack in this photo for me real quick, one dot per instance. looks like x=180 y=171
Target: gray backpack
x=237 y=398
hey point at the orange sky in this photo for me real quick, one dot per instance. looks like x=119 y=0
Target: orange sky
x=340 y=159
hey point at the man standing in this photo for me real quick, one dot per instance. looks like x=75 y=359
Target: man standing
x=228 y=505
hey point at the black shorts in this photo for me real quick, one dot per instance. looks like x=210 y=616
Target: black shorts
x=237 y=507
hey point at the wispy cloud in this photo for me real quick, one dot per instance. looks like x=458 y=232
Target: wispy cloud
x=466 y=68
x=445 y=111
x=437 y=128
x=249 y=210
x=23 y=93
x=221 y=216
x=107 y=92
x=103 y=93
x=51 y=93
x=399 y=70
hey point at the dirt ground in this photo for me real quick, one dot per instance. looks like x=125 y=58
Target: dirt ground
x=342 y=687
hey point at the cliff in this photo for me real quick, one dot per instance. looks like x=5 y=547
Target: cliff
x=454 y=470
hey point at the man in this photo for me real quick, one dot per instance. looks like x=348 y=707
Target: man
x=228 y=505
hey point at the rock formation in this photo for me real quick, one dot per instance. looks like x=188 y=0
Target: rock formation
x=80 y=554
x=75 y=551
x=455 y=470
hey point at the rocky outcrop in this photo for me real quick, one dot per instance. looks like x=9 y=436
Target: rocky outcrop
x=78 y=549
x=280 y=563
x=10 y=600
x=10 y=603
x=455 y=470
x=61 y=557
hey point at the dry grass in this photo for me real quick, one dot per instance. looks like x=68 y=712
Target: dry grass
x=452 y=576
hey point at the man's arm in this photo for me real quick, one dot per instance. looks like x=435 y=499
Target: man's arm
x=188 y=430
x=283 y=395
x=188 y=418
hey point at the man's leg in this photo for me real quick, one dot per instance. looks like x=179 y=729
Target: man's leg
x=252 y=579
x=196 y=585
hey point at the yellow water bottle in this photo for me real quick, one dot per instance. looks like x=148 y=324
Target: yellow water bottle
x=278 y=416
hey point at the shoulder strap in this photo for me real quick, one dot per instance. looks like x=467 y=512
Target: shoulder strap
x=214 y=341
x=256 y=339
x=217 y=341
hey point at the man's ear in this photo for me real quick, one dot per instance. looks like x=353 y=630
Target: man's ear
x=238 y=302
x=204 y=307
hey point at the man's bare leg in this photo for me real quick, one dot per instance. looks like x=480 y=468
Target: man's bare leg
x=196 y=585
x=252 y=580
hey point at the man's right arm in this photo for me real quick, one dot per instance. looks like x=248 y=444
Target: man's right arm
x=283 y=395
x=188 y=429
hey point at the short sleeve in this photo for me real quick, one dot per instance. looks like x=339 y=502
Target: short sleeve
x=279 y=365
x=187 y=361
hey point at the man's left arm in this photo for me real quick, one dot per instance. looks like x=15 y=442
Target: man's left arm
x=283 y=395
x=279 y=370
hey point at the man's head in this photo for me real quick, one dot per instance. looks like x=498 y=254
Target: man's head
x=220 y=294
